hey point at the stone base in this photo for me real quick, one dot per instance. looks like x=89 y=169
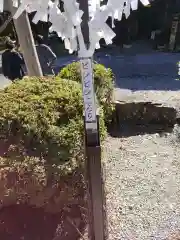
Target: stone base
x=147 y=107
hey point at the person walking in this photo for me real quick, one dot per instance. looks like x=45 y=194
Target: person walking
x=12 y=62
x=46 y=56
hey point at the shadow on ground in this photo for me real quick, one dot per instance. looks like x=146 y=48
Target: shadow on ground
x=138 y=118
x=27 y=222
x=130 y=129
x=136 y=69
x=152 y=71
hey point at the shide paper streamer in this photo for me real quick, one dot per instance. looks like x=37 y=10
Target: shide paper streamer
x=67 y=24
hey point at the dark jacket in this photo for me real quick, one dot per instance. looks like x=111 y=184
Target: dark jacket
x=12 y=65
x=46 y=58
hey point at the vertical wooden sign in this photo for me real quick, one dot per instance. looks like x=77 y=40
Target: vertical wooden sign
x=174 y=29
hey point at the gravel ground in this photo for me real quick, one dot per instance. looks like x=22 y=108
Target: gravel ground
x=142 y=179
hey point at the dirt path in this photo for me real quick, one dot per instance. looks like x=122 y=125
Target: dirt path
x=143 y=186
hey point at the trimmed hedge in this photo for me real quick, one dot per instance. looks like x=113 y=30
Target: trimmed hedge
x=44 y=116
x=41 y=147
x=103 y=81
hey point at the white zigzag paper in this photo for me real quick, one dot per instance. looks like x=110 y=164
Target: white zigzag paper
x=67 y=24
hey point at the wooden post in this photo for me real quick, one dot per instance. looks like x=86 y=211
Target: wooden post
x=26 y=41
x=173 y=35
x=92 y=140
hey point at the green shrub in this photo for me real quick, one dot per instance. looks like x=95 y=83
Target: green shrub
x=45 y=117
x=103 y=81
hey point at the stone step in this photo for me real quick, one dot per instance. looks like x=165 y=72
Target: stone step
x=145 y=113
x=147 y=107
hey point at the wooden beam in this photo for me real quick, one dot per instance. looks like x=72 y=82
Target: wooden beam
x=26 y=40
